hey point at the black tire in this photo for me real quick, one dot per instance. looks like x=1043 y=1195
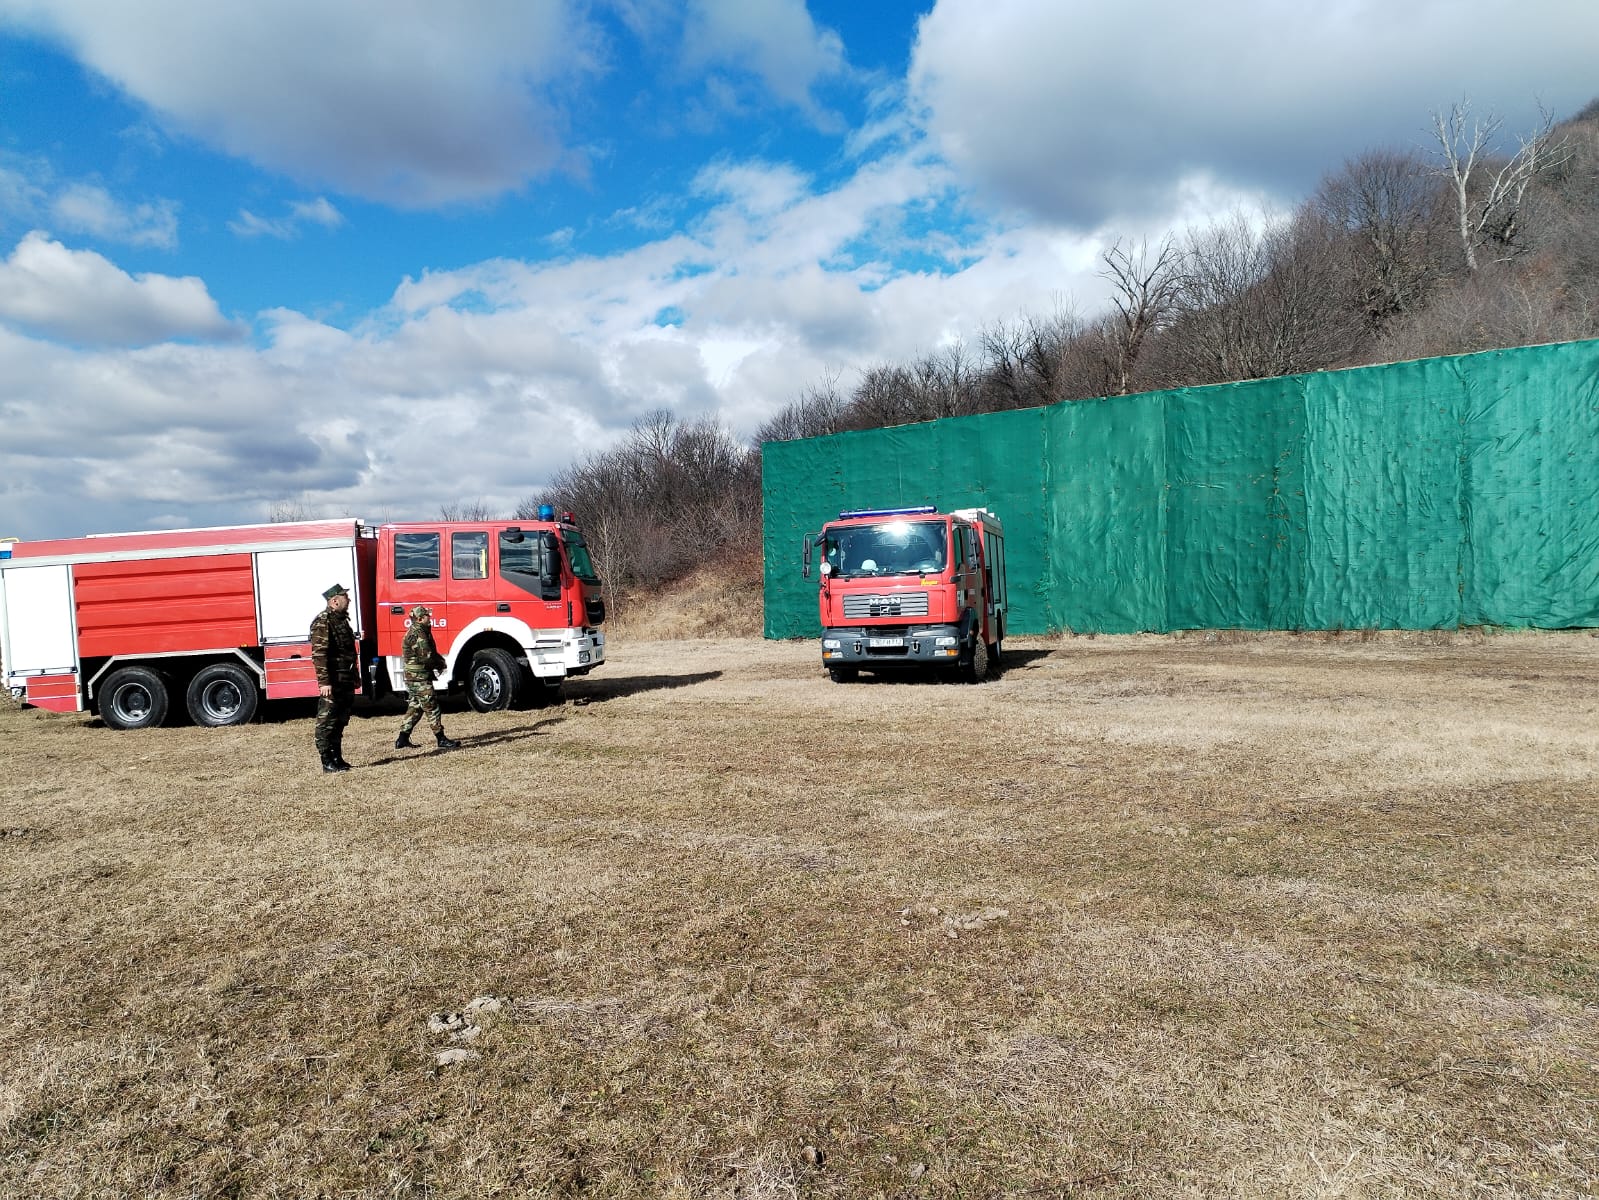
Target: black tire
x=222 y=694
x=975 y=668
x=843 y=674
x=133 y=698
x=492 y=682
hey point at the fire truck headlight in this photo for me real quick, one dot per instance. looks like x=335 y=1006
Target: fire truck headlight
x=945 y=641
x=830 y=644
x=582 y=656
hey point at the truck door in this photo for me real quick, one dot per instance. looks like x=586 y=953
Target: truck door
x=470 y=589
x=530 y=583
x=418 y=578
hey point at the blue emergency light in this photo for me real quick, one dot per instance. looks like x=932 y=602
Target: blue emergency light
x=546 y=512
x=921 y=510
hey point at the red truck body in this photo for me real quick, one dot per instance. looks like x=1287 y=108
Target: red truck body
x=132 y=624
x=911 y=587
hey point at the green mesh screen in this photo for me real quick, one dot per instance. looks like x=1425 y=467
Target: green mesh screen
x=1417 y=495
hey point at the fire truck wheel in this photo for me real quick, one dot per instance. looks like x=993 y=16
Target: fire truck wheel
x=491 y=683
x=222 y=694
x=843 y=674
x=133 y=698
x=976 y=670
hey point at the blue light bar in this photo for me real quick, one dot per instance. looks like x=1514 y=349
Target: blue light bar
x=921 y=510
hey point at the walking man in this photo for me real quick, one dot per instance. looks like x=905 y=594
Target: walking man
x=338 y=668
x=422 y=662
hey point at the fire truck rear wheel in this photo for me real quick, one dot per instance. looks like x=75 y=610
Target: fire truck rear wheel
x=133 y=698
x=491 y=684
x=222 y=694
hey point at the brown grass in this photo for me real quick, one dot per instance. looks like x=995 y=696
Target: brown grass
x=1235 y=915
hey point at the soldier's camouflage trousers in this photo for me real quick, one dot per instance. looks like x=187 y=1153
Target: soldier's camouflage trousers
x=424 y=703
x=332 y=715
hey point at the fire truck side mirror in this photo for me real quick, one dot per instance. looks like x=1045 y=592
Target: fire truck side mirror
x=805 y=556
x=513 y=535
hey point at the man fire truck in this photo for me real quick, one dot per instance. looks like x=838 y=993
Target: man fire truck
x=911 y=587
x=130 y=625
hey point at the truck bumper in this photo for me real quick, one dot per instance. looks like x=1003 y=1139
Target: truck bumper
x=577 y=653
x=883 y=649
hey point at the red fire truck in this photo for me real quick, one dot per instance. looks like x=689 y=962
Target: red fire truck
x=129 y=625
x=911 y=587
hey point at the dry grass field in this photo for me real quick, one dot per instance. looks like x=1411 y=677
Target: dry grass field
x=1193 y=916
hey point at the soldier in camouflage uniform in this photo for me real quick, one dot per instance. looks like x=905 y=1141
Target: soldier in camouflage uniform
x=422 y=662
x=338 y=669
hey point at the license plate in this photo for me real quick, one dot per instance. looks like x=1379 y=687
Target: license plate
x=885 y=641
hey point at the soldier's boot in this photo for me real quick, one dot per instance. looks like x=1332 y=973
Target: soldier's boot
x=445 y=743
x=327 y=760
x=338 y=756
x=404 y=742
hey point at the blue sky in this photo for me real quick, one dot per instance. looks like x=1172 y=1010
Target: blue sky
x=378 y=256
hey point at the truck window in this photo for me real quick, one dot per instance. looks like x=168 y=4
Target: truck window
x=469 y=555
x=577 y=553
x=521 y=558
x=416 y=555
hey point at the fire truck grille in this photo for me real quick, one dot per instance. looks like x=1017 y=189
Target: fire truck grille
x=901 y=604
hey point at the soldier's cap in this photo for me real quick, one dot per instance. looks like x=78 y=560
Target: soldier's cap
x=421 y=613
x=336 y=590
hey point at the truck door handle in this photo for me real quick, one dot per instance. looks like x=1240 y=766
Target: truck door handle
x=502 y=607
x=398 y=610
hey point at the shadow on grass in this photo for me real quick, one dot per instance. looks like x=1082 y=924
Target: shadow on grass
x=597 y=691
x=471 y=741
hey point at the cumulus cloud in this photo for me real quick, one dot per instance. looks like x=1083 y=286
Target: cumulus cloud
x=1083 y=112
x=776 y=41
x=82 y=297
x=405 y=101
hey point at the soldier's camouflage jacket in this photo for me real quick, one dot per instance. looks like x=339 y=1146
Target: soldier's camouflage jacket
x=333 y=649
x=421 y=657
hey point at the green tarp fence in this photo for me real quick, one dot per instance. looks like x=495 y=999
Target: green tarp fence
x=1415 y=495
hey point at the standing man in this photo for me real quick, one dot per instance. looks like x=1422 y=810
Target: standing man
x=422 y=662
x=338 y=668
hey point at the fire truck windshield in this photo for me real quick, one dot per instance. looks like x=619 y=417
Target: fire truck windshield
x=577 y=553
x=897 y=547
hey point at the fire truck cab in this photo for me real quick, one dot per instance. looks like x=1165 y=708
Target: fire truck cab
x=910 y=587
x=516 y=607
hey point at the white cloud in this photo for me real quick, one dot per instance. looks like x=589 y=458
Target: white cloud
x=82 y=297
x=774 y=40
x=31 y=193
x=1085 y=112
x=90 y=209
x=287 y=227
x=406 y=101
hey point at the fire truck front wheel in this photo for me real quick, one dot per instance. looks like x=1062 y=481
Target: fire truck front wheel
x=133 y=698
x=222 y=694
x=491 y=683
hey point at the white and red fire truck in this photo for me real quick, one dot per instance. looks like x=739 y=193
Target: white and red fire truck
x=911 y=587
x=131 y=625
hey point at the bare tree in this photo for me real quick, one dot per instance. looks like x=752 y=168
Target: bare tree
x=1391 y=211
x=1144 y=294
x=468 y=510
x=1489 y=208
x=1256 y=304
x=283 y=512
